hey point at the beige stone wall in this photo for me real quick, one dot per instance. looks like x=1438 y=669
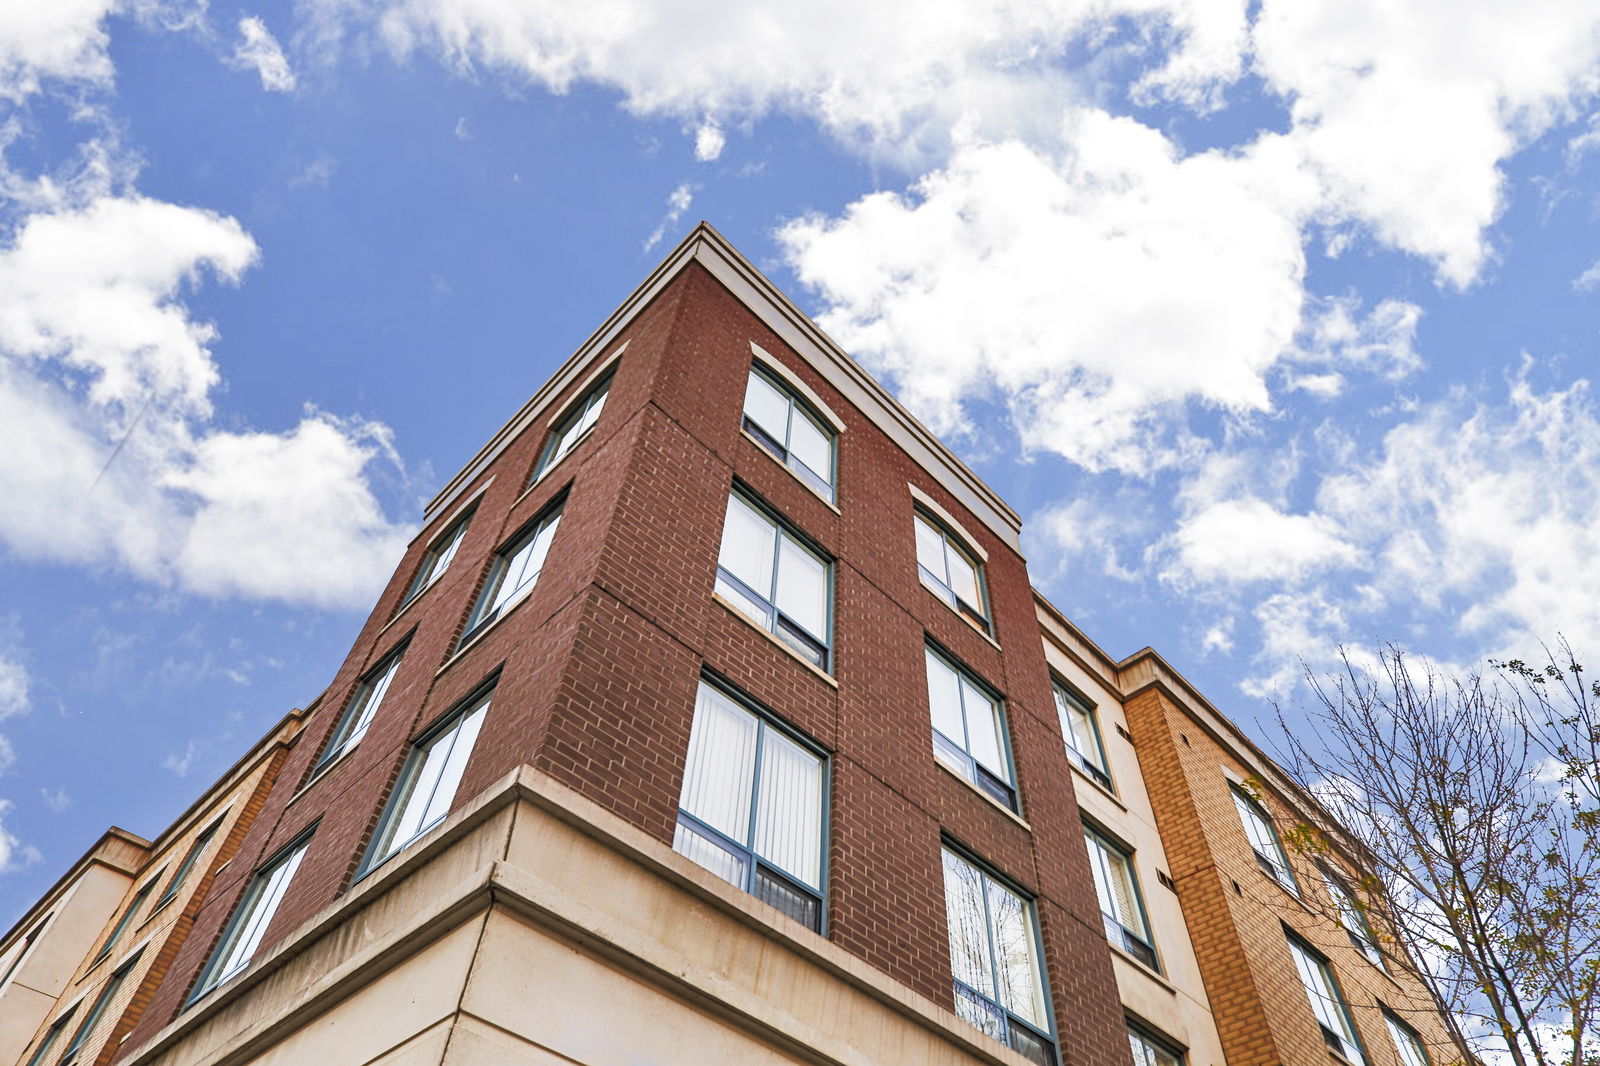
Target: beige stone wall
x=534 y=927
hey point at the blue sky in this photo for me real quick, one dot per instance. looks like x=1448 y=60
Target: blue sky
x=1276 y=320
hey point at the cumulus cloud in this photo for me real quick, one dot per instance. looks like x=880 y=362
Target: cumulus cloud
x=259 y=51
x=63 y=39
x=110 y=454
x=1248 y=540
x=14 y=854
x=15 y=697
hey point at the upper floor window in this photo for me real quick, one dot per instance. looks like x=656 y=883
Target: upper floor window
x=752 y=805
x=770 y=574
x=438 y=559
x=197 y=849
x=362 y=709
x=243 y=935
x=1322 y=989
x=969 y=729
x=96 y=1012
x=1082 y=733
x=783 y=425
x=515 y=569
x=1148 y=1051
x=994 y=958
x=1270 y=856
x=428 y=782
x=127 y=917
x=948 y=570
x=570 y=431
x=1407 y=1042
x=57 y=1027
x=1354 y=919
x=1121 y=907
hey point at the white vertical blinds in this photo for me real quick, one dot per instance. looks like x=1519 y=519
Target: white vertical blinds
x=1113 y=883
x=721 y=764
x=969 y=925
x=789 y=808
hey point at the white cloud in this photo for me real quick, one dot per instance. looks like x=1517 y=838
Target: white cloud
x=678 y=201
x=109 y=457
x=259 y=51
x=61 y=39
x=709 y=141
x=15 y=697
x=1248 y=540
x=14 y=854
x=180 y=763
x=1589 y=280
x=56 y=799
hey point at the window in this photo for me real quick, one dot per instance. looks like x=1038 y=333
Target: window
x=769 y=574
x=362 y=708
x=1270 y=856
x=51 y=1036
x=1407 y=1042
x=947 y=569
x=428 y=783
x=1148 y=1051
x=1120 y=905
x=969 y=730
x=1333 y=1017
x=994 y=958
x=572 y=429
x=438 y=559
x=196 y=849
x=752 y=807
x=127 y=918
x=784 y=426
x=516 y=569
x=90 y=1020
x=249 y=924
x=1354 y=920
x=1082 y=734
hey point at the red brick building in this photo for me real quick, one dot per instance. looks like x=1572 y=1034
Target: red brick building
x=706 y=719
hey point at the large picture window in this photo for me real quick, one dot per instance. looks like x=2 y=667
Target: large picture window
x=947 y=569
x=1333 y=1016
x=238 y=945
x=363 y=707
x=784 y=425
x=752 y=807
x=783 y=585
x=572 y=429
x=1081 y=730
x=428 y=782
x=515 y=569
x=1270 y=856
x=969 y=729
x=994 y=958
x=1120 y=905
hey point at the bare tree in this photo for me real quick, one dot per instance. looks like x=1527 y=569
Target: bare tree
x=1476 y=802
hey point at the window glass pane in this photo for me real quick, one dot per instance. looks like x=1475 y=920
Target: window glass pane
x=1325 y=1001
x=789 y=808
x=748 y=543
x=930 y=549
x=448 y=554
x=720 y=770
x=455 y=764
x=1147 y=1052
x=963 y=579
x=1407 y=1043
x=428 y=785
x=767 y=407
x=778 y=891
x=969 y=935
x=524 y=566
x=803 y=587
x=811 y=446
x=1078 y=728
x=944 y=700
x=592 y=415
x=261 y=904
x=702 y=850
x=1021 y=991
x=983 y=729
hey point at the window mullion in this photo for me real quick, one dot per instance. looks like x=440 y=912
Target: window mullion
x=749 y=840
x=992 y=936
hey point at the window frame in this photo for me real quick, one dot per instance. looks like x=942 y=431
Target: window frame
x=1049 y=1038
x=202 y=842
x=1143 y=938
x=780 y=624
x=213 y=976
x=485 y=611
x=361 y=710
x=126 y=920
x=446 y=546
x=1299 y=949
x=379 y=851
x=754 y=861
x=549 y=456
x=983 y=619
x=826 y=483
x=53 y=1034
x=1400 y=1030
x=972 y=771
x=1065 y=696
x=1277 y=867
x=1158 y=1044
x=85 y=1029
x=1352 y=917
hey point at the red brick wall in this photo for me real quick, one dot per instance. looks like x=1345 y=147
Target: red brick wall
x=599 y=667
